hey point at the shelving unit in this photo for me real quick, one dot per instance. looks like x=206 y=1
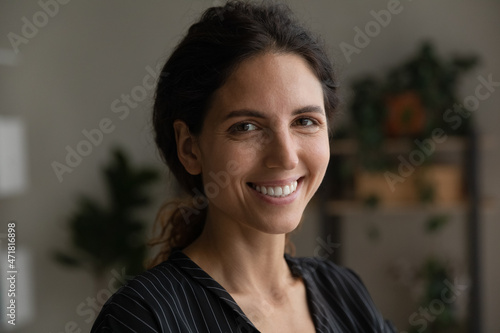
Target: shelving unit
x=339 y=203
x=395 y=146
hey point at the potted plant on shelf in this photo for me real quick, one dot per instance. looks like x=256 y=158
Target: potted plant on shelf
x=409 y=103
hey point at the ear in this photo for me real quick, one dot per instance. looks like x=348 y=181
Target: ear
x=187 y=148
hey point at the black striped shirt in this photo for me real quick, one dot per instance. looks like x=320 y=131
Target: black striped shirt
x=178 y=296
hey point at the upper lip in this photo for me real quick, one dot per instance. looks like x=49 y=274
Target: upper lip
x=280 y=182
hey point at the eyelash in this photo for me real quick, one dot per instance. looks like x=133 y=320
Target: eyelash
x=236 y=128
x=313 y=121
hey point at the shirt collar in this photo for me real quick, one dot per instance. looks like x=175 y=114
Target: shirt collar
x=183 y=262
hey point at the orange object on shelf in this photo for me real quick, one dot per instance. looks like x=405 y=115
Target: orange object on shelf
x=406 y=114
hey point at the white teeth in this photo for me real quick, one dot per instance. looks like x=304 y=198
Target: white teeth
x=277 y=191
x=286 y=190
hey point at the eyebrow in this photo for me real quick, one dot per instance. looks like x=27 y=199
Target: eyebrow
x=259 y=114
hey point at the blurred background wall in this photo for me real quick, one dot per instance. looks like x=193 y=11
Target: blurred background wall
x=69 y=71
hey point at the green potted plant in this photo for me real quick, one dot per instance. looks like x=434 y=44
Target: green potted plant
x=106 y=235
x=407 y=104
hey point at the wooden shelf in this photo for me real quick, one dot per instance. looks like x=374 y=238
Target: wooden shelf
x=348 y=207
x=396 y=146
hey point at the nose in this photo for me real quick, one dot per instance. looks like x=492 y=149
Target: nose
x=281 y=151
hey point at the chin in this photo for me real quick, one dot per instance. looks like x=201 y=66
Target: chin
x=282 y=227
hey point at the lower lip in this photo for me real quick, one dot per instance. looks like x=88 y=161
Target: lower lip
x=279 y=200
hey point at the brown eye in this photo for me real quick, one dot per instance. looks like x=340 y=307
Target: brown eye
x=305 y=122
x=243 y=127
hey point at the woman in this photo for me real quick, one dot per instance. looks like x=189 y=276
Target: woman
x=241 y=117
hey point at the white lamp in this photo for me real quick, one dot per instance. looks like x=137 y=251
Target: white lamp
x=7 y=57
x=13 y=175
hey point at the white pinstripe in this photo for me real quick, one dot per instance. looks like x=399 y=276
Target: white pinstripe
x=163 y=299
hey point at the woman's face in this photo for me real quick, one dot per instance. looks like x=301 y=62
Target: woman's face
x=264 y=149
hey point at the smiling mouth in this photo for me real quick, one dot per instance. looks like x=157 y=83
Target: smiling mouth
x=276 y=191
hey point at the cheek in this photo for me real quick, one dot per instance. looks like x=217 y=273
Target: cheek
x=226 y=162
x=318 y=154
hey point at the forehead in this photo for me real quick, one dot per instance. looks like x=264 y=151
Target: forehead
x=271 y=83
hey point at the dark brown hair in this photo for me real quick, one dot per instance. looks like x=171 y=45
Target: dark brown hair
x=222 y=38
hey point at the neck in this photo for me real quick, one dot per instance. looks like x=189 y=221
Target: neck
x=243 y=260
